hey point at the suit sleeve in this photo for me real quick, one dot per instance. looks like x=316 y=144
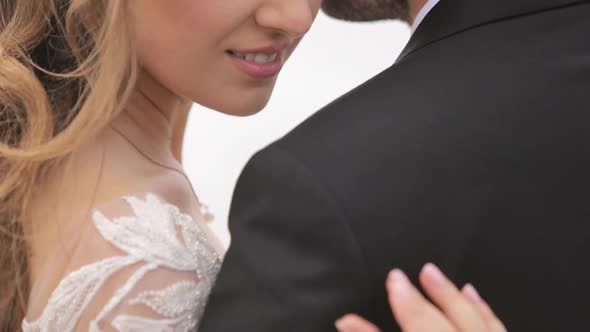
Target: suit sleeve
x=293 y=264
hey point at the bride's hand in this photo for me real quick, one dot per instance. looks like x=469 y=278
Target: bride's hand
x=457 y=311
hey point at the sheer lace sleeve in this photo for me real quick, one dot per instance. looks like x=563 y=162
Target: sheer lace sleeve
x=150 y=268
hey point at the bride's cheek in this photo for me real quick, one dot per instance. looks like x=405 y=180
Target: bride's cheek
x=186 y=46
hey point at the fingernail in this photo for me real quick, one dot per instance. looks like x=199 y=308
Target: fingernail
x=342 y=325
x=472 y=294
x=435 y=273
x=400 y=284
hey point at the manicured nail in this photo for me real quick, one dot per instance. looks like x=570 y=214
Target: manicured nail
x=471 y=293
x=435 y=273
x=342 y=325
x=400 y=284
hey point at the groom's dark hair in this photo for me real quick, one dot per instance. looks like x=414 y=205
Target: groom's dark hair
x=367 y=10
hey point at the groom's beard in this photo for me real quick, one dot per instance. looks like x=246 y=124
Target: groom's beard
x=367 y=10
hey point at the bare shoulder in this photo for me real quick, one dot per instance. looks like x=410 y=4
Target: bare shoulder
x=154 y=217
x=131 y=249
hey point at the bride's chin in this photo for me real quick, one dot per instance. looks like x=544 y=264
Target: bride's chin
x=241 y=111
x=241 y=107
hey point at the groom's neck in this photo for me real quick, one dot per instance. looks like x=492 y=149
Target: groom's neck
x=415 y=6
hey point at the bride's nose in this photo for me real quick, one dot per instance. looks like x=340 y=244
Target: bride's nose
x=292 y=17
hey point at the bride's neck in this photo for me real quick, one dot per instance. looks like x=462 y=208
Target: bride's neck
x=109 y=166
x=151 y=119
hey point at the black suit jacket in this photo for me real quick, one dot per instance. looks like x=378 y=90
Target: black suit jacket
x=472 y=151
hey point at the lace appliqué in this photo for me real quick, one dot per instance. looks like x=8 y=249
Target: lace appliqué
x=158 y=235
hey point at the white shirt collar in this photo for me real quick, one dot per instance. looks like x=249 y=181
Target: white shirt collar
x=423 y=12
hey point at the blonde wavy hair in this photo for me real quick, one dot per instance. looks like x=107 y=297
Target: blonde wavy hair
x=59 y=63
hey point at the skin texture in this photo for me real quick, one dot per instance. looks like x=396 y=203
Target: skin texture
x=183 y=45
x=178 y=69
x=196 y=35
x=182 y=49
x=451 y=310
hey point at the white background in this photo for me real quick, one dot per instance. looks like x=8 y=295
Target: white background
x=333 y=58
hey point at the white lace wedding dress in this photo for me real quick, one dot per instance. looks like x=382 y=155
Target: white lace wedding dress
x=148 y=269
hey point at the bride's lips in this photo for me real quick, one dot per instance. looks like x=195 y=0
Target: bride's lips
x=259 y=63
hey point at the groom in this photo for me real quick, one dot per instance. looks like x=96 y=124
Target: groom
x=472 y=151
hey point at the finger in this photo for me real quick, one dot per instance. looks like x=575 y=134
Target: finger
x=354 y=323
x=493 y=322
x=412 y=311
x=450 y=300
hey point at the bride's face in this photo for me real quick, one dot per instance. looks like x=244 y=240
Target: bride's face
x=223 y=54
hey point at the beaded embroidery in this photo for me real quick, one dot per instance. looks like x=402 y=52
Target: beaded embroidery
x=158 y=235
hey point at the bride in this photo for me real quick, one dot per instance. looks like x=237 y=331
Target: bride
x=101 y=229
